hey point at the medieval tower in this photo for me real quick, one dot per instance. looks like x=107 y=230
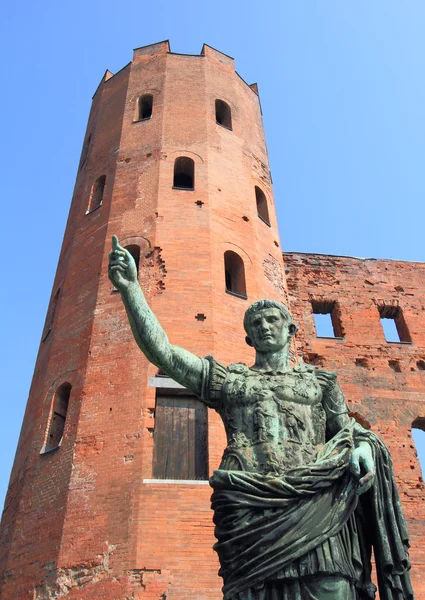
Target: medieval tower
x=109 y=495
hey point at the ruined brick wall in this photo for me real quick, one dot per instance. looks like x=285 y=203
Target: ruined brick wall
x=384 y=382
x=85 y=521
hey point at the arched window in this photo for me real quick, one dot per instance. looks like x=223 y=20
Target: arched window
x=234 y=274
x=223 y=114
x=184 y=173
x=262 y=208
x=135 y=253
x=58 y=417
x=97 y=193
x=144 y=107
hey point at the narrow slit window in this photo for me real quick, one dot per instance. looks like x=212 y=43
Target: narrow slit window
x=223 y=114
x=326 y=319
x=97 y=193
x=393 y=324
x=262 y=208
x=184 y=173
x=180 y=438
x=144 y=107
x=135 y=253
x=58 y=417
x=234 y=272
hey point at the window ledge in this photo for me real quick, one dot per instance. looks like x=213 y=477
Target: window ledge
x=89 y=212
x=176 y=481
x=225 y=126
x=329 y=337
x=264 y=220
x=46 y=450
x=400 y=343
x=185 y=189
x=144 y=119
x=243 y=296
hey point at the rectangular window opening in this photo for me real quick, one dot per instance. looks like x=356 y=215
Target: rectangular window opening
x=326 y=320
x=180 y=438
x=394 y=325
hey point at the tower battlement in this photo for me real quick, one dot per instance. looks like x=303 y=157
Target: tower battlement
x=162 y=48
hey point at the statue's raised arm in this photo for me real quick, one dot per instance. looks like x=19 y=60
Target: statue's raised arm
x=181 y=365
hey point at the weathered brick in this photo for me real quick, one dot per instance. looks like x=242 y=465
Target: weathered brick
x=387 y=400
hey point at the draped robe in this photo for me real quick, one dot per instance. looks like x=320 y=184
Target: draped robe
x=285 y=503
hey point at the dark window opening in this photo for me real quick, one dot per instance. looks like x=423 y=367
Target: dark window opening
x=184 y=173
x=180 y=438
x=327 y=319
x=418 y=435
x=97 y=193
x=58 y=417
x=421 y=365
x=135 y=253
x=234 y=272
x=144 y=105
x=50 y=317
x=262 y=208
x=393 y=324
x=223 y=114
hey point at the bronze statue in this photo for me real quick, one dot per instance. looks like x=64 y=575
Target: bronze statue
x=303 y=492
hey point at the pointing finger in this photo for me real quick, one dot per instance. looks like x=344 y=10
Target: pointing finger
x=116 y=247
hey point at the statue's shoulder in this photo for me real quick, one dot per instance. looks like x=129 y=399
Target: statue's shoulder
x=238 y=369
x=327 y=379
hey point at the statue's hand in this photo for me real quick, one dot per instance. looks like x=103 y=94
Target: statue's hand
x=362 y=466
x=122 y=268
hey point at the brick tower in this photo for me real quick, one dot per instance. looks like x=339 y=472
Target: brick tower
x=174 y=162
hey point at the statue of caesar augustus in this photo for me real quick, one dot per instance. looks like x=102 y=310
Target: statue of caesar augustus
x=303 y=492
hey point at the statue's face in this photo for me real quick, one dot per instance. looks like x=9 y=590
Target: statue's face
x=268 y=330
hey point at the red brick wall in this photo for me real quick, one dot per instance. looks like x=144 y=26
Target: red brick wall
x=82 y=521
x=390 y=401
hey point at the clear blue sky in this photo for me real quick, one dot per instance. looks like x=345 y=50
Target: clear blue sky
x=342 y=88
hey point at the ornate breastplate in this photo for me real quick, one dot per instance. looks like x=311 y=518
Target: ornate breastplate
x=273 y=421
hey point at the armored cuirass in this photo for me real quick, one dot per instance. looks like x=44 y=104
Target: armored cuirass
x=273 y=421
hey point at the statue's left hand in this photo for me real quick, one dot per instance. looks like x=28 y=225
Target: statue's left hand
x=362 y=466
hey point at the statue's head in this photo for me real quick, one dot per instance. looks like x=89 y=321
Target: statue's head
x=269 y=326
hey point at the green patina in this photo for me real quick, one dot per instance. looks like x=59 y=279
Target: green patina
x=303 y=492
